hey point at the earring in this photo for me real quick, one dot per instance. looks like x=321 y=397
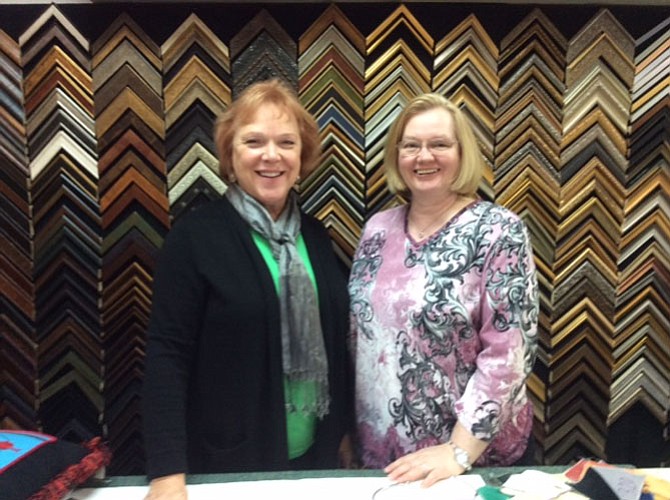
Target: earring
x=232 y=178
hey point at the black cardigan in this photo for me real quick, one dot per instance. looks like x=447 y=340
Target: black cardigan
x=213 y=389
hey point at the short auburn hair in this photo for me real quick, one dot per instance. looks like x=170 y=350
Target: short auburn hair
x=472 y=165
x=242 y=110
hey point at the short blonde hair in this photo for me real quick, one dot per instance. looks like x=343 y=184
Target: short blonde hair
x=241 y=112
x=472 y=162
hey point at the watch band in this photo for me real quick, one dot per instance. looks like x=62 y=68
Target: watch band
x=461 y=456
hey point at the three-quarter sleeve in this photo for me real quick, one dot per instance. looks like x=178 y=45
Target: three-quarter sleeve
x=495 y=393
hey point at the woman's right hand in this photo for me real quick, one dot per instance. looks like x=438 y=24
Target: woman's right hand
x=171 y=487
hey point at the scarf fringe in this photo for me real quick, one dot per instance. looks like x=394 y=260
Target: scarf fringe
x=320 y=410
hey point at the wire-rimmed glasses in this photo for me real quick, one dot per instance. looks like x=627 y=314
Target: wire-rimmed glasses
x=379 y=493
x=409 y=148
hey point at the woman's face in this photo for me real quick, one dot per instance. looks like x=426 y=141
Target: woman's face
x=266 y=157
x=432 y=170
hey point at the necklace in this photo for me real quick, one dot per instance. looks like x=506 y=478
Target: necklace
x=433 y=224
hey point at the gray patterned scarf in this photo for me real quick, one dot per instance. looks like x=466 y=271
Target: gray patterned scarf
x=303 y=349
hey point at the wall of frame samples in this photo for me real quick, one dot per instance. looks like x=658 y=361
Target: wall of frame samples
x=105 y=140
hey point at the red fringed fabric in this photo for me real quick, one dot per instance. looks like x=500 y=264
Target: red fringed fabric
x=76 y=474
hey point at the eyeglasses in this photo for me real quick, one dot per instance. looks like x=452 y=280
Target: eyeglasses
x=409 y=148
x=465 y=486
x=385 y=493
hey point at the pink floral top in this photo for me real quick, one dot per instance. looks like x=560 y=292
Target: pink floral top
x=443 y=329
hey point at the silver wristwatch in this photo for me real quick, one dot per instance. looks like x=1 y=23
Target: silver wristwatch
x=461 y=456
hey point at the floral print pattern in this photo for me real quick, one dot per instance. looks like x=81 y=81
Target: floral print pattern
x=444 y=329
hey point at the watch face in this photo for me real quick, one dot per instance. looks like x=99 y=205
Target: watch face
x=462 y=457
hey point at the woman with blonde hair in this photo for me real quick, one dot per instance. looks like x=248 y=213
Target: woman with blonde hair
x=444 y=309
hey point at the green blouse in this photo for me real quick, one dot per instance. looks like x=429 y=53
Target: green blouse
x=300 y=428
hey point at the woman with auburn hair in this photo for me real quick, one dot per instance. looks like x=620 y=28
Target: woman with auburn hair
x=246 y=366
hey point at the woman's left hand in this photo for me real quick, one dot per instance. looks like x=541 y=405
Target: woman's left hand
x=430 y=464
